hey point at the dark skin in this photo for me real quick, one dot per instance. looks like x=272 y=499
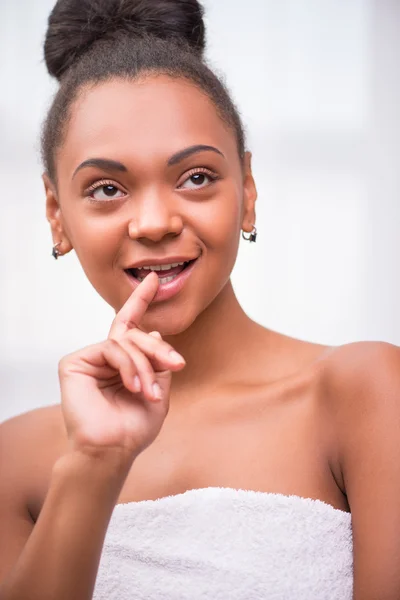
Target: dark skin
x=252 y=408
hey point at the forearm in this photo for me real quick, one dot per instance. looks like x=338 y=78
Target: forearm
x=61 y=557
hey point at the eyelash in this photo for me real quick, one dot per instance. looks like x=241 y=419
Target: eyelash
x=104 y=182
x=201 y=170
x=97 y=185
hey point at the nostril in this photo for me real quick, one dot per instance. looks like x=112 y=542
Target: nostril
x=155 y=224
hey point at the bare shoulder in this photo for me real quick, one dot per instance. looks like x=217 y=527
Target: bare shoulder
x=359 y=386
x=360 y=393
x=30 y=443
x=359 y=354
x=34 y=428
x=362 y=376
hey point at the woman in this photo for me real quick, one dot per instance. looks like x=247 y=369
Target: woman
x=195 y=454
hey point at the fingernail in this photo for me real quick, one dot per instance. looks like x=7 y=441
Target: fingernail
x=177 y=358
x=136 y=384
x=157 y=391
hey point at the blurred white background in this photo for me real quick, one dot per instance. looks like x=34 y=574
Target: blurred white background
x=317 y=82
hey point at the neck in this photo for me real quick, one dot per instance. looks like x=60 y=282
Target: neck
x=213 y=346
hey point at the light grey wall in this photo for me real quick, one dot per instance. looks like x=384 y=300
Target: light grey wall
x=317 y=82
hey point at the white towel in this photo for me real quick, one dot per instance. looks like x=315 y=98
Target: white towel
x=226 y=544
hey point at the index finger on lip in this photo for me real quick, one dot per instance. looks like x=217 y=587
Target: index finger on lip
x=135 y=307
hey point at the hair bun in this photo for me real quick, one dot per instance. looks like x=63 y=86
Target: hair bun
x=75 y=25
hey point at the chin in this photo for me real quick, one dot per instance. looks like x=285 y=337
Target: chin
x=168 y=321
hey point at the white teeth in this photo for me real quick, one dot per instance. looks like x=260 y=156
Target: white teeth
x=161 y=267
x=166 y=279
x=161 y=279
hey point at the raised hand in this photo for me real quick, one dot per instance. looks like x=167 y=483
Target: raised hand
x=115 y=394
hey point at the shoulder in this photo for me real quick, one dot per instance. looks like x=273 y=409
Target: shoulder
x=359 y=390
x=29 y=445
x=35 y=426
x=362 y=379
x=37 y=431
x=350 y=363
x=360 y=394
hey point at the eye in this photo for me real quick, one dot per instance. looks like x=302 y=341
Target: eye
x=104 y=191
x=198 y=180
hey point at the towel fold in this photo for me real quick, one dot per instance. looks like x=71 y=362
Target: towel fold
x=226 y=544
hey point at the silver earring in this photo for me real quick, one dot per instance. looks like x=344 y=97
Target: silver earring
x=55 y=252
x=252 y=237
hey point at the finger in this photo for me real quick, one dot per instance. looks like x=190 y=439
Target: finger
x=135 y=307
x=102 y=362
x=145 y=371
x=161 y=355
x=119 y=358
x=156 y=334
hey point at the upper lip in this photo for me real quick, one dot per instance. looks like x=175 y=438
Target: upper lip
x=151 y=262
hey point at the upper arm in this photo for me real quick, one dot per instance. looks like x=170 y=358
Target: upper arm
x=364 y=385
x=16 y=523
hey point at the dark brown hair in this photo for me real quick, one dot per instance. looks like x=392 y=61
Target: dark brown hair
x=90 y=41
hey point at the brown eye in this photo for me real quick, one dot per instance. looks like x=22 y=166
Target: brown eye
x=197 y=181
x=106 y=192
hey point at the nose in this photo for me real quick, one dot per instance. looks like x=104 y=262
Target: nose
x=156 y=216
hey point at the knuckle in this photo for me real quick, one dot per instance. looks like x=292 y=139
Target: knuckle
x=158 y=350
x=111 y=345
x=133 y=353
x=154 y=352
x=65 y=363
x=131 y=324
x=167 y=347
x=129 y=345
x=62 y=364
x=131 y=334
x=139 y=357
x=146 y=369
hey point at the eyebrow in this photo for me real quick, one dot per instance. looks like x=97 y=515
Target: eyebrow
x=182 y=154
x=102 y=163
x=113 y=165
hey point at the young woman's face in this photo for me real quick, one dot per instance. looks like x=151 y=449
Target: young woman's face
x=149 y=175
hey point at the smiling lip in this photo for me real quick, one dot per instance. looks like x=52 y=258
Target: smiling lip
x=166 y=290
x=170 y=260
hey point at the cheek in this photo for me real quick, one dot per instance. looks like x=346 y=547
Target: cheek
x=219 y=224
x=95 y=238
x=89 y=232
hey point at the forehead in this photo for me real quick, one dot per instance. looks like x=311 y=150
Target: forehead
x=153 y=116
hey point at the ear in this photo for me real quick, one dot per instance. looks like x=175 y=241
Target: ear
x=54 y=217
x=249 y=195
